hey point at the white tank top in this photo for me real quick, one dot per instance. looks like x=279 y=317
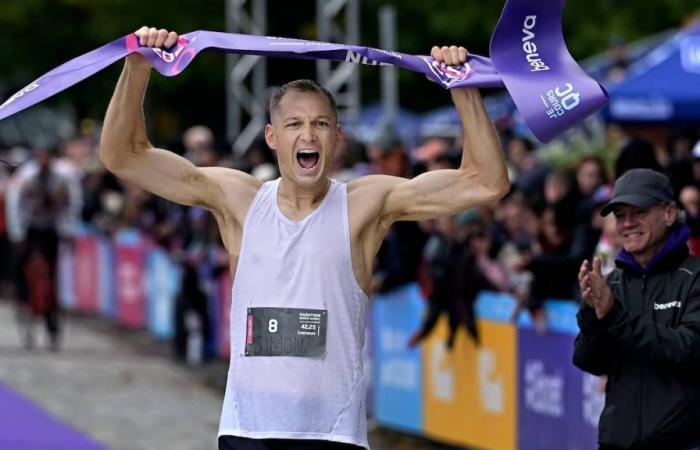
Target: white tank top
x=308 y=265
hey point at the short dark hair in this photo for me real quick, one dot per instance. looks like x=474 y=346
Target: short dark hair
x=302 y=85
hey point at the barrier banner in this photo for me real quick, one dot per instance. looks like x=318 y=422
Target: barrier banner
x=129 y=254
x=544 y=407
x=162 y=286
x=529 y=58
x=446 y=389
x=86 y=263
x=470 y=392
x=64 y=276
x=397 y=378
x=555 y=396
x=106 y=288
x=224 y=285
x=586 y=394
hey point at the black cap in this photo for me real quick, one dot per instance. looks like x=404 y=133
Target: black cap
x=641 y=188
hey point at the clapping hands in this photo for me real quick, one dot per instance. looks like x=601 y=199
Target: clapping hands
x=594 y=289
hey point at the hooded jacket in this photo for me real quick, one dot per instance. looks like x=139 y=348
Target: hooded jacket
x=649 y=347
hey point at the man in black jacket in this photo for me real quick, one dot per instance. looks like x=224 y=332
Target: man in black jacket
x=641 y=326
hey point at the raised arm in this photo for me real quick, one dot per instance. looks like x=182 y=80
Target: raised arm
x=126 y=150
x=481 y=177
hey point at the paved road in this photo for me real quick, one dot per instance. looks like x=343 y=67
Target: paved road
x=123 y=390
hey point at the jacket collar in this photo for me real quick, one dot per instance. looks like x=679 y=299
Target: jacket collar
x=674 y=250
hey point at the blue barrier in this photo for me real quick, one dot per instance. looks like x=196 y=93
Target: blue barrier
x=398 y=383
x=558 y=406
x=107 y=290
x=162 y=286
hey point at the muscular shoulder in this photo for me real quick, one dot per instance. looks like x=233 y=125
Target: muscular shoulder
x=235 y=191
x=373 y=182
x=366 y=195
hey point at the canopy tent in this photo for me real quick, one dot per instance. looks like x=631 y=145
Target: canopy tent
x=444 y=121
x=411 y=127
x=664 y=86
x=370 y=125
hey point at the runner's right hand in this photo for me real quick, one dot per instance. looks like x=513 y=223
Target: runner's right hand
x=156 y=37
x=152 y=38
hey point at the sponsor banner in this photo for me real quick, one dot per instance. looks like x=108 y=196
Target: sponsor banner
x=129 y=254
x=560 y=316
x=650 y=107
x=586 y=395
x=528 y=54
x=64 y=275
x=544 y=411
x=550 y=385
x=549 y=88
x=584 y=392
x=494 y=306
x=106 y=286
x=162 y=286
x=398 y=380
x=223 y=323
x=470 y=392
x=86 y=281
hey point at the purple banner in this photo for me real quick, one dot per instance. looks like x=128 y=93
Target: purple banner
x=586 y=393
x=528 y=51
x=558 y=405
x=550 y=89
x=543 y=410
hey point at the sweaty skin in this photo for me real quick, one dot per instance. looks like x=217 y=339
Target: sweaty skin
x=303 y=122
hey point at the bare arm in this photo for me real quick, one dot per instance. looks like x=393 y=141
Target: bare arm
x=126 y=151
x=481 y=177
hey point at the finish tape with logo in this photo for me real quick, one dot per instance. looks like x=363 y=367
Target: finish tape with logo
x=528 y=57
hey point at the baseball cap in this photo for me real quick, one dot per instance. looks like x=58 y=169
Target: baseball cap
x=641 y=188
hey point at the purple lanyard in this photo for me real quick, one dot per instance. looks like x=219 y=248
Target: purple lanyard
x=528 y=58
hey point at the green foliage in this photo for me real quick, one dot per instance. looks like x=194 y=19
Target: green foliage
x=38 y=35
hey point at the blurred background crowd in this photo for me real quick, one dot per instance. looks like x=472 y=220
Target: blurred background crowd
x=529 y=244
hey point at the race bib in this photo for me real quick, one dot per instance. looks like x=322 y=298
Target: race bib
x=286 y=332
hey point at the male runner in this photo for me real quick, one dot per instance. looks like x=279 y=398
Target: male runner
x=301 y=249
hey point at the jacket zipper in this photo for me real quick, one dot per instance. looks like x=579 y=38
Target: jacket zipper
x=641 y=392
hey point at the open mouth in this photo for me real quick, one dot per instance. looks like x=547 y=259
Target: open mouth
x=308 y=159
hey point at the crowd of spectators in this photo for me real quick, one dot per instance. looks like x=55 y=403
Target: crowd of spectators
x=529 y=244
